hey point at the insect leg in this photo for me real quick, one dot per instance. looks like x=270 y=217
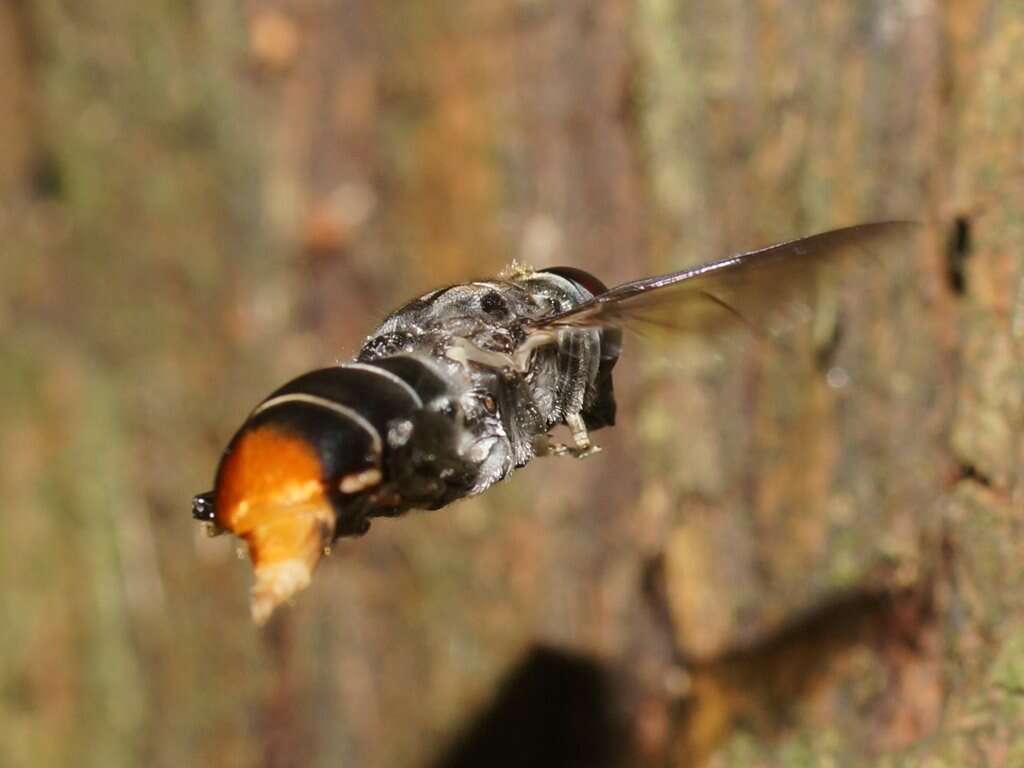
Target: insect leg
x=581 y=438
x=546 y=445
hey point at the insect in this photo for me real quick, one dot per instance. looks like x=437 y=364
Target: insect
x=463 y=385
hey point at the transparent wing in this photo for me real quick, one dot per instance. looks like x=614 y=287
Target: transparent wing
x=763 y=290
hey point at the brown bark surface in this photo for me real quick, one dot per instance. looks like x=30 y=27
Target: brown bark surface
x=801 y=554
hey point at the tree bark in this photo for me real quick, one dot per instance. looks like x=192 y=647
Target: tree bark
x=806 y=552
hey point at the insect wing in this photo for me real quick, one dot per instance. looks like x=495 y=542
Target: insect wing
x=751 y=290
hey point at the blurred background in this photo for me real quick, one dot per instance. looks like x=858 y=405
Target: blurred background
x=809 y=555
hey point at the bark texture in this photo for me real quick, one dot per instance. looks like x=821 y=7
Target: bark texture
x=787 y=556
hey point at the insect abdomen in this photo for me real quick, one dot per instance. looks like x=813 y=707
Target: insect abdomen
x=310 y=464
x=339 y=416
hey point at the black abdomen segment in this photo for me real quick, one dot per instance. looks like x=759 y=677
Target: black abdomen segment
x=343 y=414
x=419 y=375
x=370 y=396
x=376 y=396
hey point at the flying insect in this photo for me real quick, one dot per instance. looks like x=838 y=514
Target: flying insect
x=461 y=386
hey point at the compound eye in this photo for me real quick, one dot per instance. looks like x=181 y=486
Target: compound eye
x=494 y=304
x=582 y=278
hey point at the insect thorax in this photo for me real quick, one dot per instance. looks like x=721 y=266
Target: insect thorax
x=470 y=332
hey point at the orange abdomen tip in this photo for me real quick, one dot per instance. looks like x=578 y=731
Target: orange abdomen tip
x=270 y=492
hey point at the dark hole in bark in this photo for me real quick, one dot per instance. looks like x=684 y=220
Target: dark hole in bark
x=958 y=248
x=971 y=472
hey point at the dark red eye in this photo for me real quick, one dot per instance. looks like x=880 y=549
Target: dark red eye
x=581 y=277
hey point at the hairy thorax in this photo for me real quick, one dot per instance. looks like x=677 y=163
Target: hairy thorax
x=473 y=330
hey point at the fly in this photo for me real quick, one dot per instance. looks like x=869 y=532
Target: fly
x=463 y=385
